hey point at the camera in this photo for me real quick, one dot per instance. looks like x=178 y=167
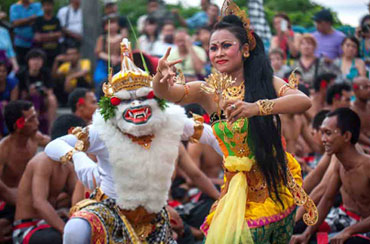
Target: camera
x=39 y=86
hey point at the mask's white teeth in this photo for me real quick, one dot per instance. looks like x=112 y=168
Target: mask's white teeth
x=130 y=113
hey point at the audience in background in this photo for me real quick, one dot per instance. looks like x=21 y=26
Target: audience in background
x=308 y=64
x=70 y=18
x=276 y=57
x=6 y=49
x=193 y=57
x=83 y=103
x=48 y=32
x=350 y=65
x=112 y=38
x=35 y=85
x=111 y=9
x=22 y=16
x=328 y=39
x=285 y=38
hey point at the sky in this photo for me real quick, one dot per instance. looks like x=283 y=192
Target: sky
x=349 y=11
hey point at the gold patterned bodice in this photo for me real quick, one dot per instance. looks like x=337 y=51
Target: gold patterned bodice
x=234 y=142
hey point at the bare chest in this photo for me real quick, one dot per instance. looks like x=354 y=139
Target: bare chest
x=356 y=184
x=16 y=162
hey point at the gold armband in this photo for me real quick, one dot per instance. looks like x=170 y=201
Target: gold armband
x=82 y=135
x=198 y=128
x=186 y=92
x=68 y=156
x=81 y=145
x=265 y=106
x=283 y=89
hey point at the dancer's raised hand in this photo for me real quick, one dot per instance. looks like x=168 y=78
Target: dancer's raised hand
x=167 y=69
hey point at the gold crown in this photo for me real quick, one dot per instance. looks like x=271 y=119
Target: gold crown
x=228 y=8
x=130 y=77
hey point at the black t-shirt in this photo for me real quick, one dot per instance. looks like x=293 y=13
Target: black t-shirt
x=42 y=25
x=43 y=79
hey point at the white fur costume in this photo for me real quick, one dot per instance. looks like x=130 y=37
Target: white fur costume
x=131 y=174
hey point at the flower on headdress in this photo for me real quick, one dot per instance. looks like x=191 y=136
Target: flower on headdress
x=20 y=122
x=150 y=95
x=115 y=101
x=323 y=84
x=337 y=96
x=81 y=101
x=355 y=87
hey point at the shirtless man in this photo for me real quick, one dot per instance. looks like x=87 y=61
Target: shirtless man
x=351 y=176
x=208 y=160
x=83 y=103
x=361 y=106
x=17 y=149
x=320 y=86
x=36 y=217
x=294 y=127
x=338 y=96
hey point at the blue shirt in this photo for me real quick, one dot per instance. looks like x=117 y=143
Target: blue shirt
x=24 y=34
x=329 y=45
x=6 y=43
x=11 y=83
x=199 y=19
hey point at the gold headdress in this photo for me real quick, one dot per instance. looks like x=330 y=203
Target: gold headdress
x=130 y=77
x=228 y=8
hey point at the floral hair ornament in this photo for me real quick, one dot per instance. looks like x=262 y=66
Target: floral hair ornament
x=20 y=122
x=323 y=84
x=355 y=87
x=81 y=101
x=337 y=96
x=229 y=8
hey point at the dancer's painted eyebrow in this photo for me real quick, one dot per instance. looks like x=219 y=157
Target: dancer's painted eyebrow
x=226 y=41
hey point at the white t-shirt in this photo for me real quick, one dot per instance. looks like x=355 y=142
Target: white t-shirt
x=157 y=48
x=70 y=19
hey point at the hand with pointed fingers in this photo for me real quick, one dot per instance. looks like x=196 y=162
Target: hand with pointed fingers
x=236 y=109
x=167 y=69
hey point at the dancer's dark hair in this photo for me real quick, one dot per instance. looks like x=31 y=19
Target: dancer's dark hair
x=264 y=131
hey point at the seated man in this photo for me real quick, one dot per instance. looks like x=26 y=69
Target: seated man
x=36 y=85
x=350 y=177
x=16 y=150
x=37 y=220
x=361 y=88
x=83 y=103
x=76 y=72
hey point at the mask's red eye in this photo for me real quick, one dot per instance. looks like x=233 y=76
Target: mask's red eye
x=115 y=101
x=355 y=86
x=150 y=95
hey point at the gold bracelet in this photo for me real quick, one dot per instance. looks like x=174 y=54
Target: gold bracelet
x=265 y=106
x=68 y=156
x=186 y=92
x=82 y=135
x=198 y=128
x=283 y=89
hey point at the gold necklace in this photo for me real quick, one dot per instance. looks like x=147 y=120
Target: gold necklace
x=235 y=92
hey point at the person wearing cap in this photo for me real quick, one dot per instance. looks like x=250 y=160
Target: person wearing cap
x=328 y=39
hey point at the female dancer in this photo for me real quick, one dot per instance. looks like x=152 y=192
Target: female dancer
x=262 y=182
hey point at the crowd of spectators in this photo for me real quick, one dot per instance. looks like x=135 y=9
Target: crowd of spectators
x=42 y=69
